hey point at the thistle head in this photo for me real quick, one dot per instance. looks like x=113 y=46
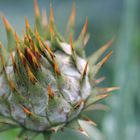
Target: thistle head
x=47 y=81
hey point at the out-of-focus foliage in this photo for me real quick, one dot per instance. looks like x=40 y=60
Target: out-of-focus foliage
x=123 y=122
x=107 y=19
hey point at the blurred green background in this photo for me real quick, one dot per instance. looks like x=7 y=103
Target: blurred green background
x=107 y=19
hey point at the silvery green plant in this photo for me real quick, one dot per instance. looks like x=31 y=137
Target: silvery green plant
x=46 y=81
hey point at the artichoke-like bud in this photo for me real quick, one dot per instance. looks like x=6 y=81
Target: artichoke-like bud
x=46 y=81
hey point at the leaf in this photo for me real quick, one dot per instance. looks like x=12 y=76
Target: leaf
x=83 y=37
x=89 y=121
x=10 y=35
x=4 y=54
x=96 y=106
x=99 y=94
x=74 y=125
x=47 y=135
x=25 y=134
x=97 y=67
x=38 y=20
x=95 y=98
x=71 y=23
x=77 y=127
x=93 y=132
x=96 y=55
x=6 y=124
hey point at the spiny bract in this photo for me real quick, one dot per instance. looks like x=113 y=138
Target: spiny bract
x=46 y=82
